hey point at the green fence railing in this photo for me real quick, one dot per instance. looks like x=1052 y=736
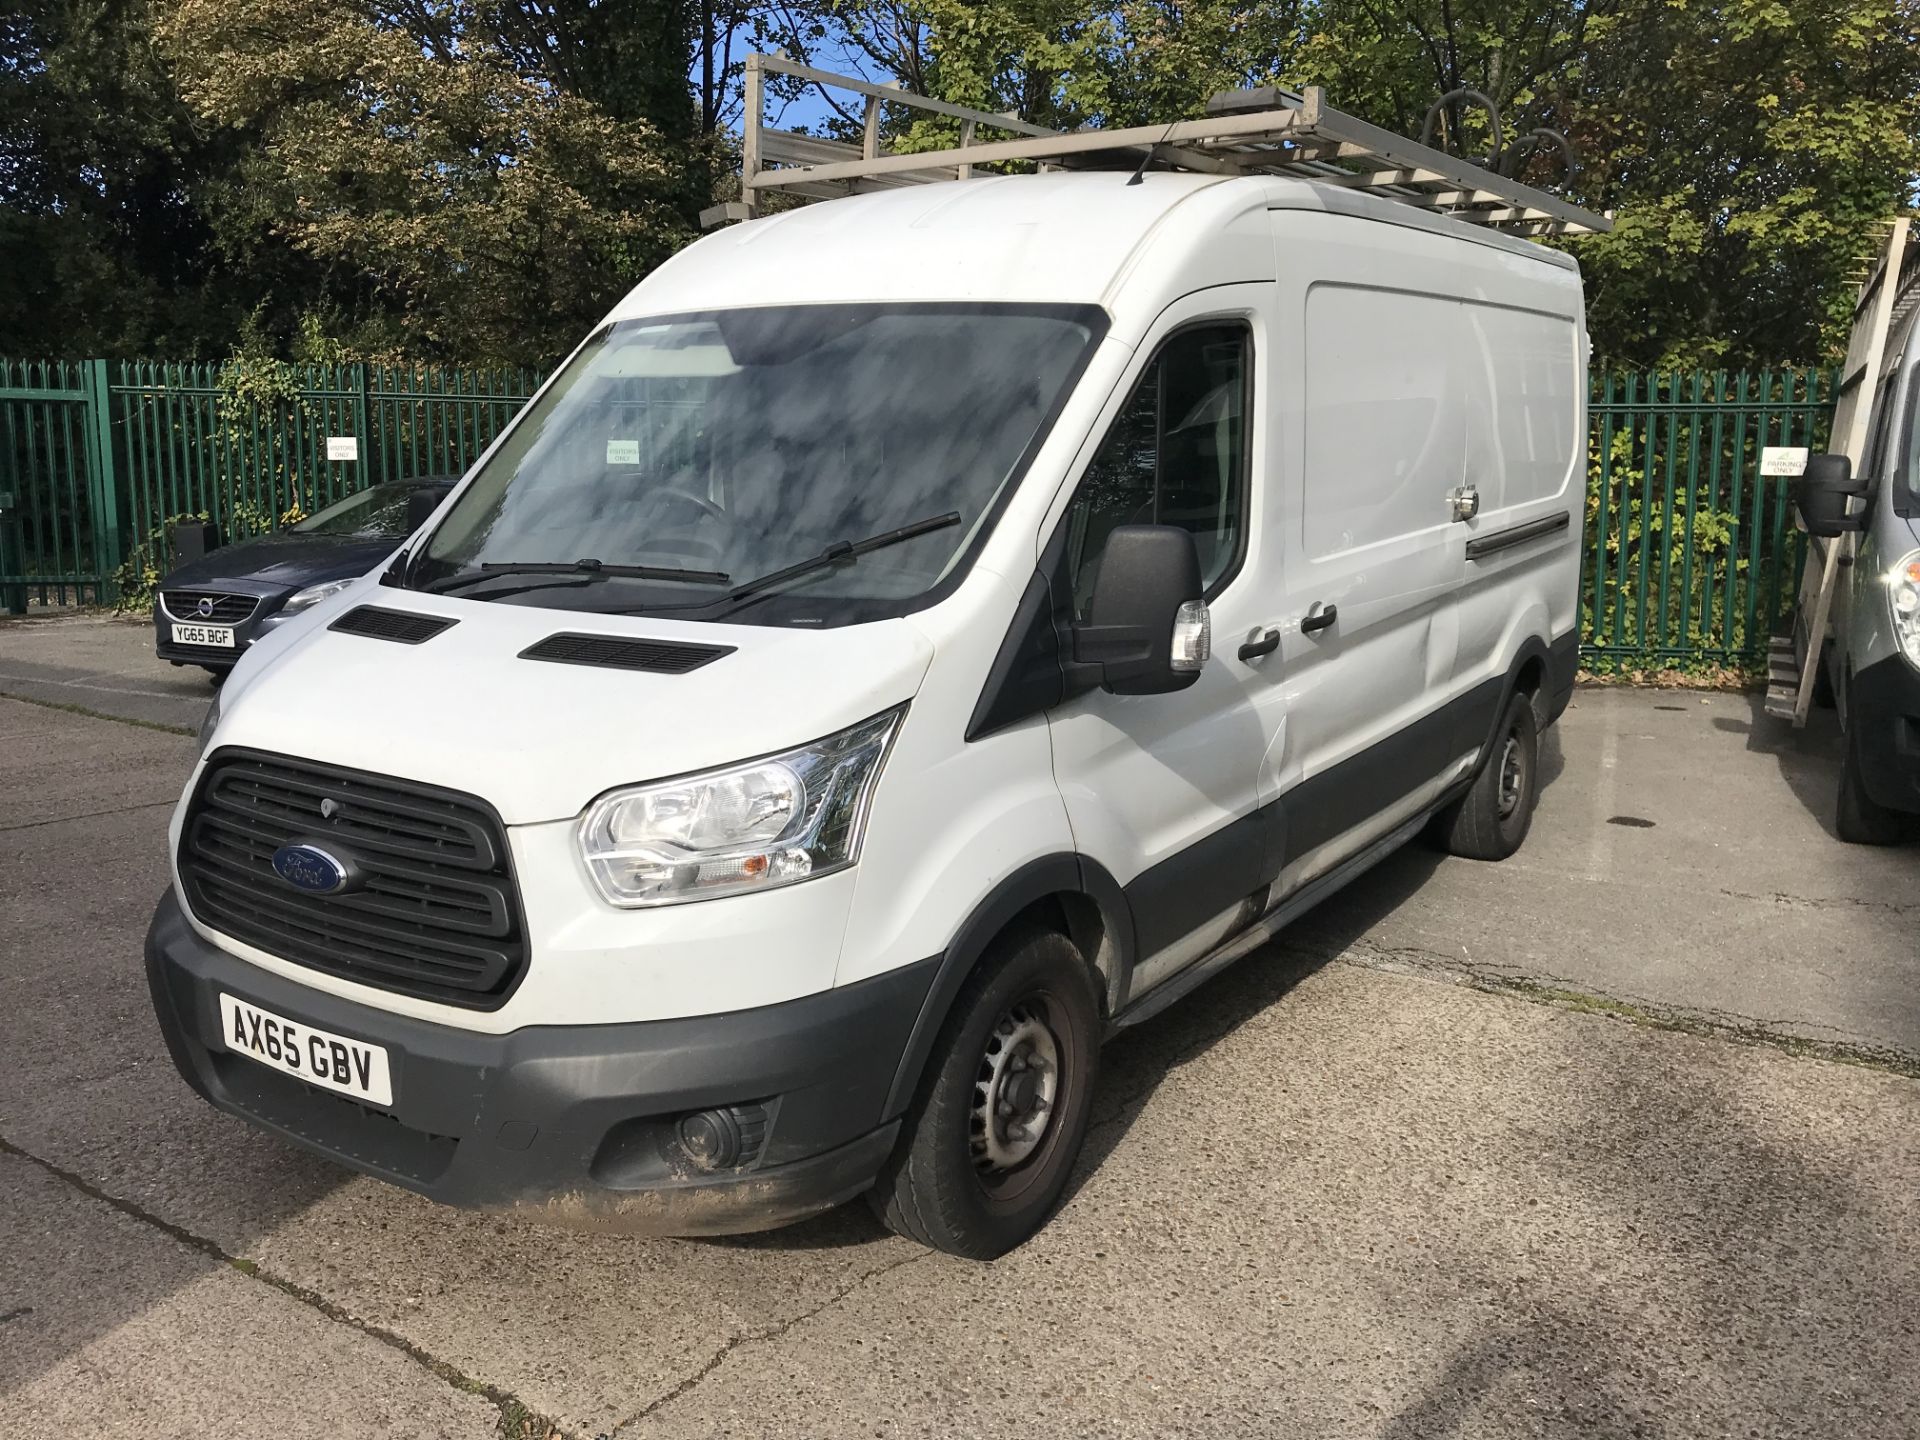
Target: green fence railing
x=1691 y=553
x=96 y=456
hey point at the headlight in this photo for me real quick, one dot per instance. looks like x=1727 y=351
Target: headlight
x=1903 y=594
x=314 y=594
x=207 y=727
x=752 y=826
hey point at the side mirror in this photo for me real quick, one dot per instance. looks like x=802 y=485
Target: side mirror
x=420 y=507
x=1147 y=630
x=1823 y=494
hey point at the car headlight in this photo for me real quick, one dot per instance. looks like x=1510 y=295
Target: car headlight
x=306 y=599
x=753 y=826
x=1903 y=594
x=207 y=727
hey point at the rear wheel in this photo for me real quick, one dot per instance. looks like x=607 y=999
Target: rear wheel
x=1491 y=820
x=1859 y=819
x=990 y=1142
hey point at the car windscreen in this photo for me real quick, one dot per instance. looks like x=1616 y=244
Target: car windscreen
x=378 y=512
x=736 y=445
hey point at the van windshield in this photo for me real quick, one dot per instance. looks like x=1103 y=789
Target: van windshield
x=689 y=460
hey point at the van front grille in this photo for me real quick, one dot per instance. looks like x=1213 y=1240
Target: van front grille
x=430 y=908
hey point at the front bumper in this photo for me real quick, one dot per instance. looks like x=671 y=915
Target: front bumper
x=1883 y=716
x=571 y=1124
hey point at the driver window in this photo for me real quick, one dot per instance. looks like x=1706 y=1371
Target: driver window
x=1176 y=455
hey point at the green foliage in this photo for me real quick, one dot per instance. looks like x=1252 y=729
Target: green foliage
x=470 y=208
x=1751 y=149
x=1691 y=556
x=478 y=180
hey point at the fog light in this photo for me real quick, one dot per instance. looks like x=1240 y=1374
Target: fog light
x=711 y=1139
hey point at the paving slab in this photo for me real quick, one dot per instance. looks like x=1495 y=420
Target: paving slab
x=100 y=662
x=109 y=1327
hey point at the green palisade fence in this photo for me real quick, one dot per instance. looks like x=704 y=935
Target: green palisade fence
x=97 y=456
x=1690 y=554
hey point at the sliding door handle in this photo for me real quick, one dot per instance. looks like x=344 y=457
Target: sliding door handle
x=1260 y=642
x=1319 y=617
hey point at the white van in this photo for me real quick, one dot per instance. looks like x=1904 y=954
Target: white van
x=1860 y=591
x=913 y=638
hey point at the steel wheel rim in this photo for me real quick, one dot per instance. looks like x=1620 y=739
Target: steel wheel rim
x=1016 y=1091
x=1511 y=775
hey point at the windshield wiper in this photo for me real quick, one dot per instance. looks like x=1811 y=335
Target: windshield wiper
x=588 y=567
x=843 y=552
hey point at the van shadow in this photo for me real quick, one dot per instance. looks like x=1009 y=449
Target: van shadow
x=1139 y=1058
x=1808 y=760
x=1135 y=1062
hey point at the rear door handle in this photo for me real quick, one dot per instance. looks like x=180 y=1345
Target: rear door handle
x=1319 y=617
x=1260 y=642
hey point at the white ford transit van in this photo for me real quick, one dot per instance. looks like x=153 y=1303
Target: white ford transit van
x=915 y=636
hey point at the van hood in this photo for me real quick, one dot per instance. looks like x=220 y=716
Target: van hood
x=537 y=739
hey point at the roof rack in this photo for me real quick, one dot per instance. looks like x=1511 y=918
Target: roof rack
x=1264 y=131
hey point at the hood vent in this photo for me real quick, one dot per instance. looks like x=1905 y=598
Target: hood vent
x=403 y=627
x=661 y=657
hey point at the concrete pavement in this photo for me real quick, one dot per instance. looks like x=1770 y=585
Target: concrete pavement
x=102 y=663
x=1329 y=1194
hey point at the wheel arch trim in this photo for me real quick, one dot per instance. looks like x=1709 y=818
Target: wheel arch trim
x=1048 y=877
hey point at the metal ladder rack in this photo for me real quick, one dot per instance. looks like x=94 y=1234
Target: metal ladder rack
x=1264 y=131
x=1890 y=292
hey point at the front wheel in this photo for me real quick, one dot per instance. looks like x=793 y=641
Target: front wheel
x=1859 y=819
x=992 y=1137
x=1491 y=820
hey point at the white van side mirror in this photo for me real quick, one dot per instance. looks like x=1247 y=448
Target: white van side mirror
x=1147 y=631
x=1824 y=492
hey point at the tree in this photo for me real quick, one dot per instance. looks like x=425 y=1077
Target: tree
x=461 y=202
x=101 y=241
x=1749 y=147
x=1753 y=150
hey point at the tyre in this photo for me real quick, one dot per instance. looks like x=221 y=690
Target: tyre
x=1491 y=820
x=992 y=1136
x=1858 y=818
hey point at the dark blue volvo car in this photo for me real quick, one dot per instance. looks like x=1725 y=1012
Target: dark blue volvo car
x=212 y=608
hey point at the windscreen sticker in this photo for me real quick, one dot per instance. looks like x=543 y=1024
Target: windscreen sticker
x=623 y=452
